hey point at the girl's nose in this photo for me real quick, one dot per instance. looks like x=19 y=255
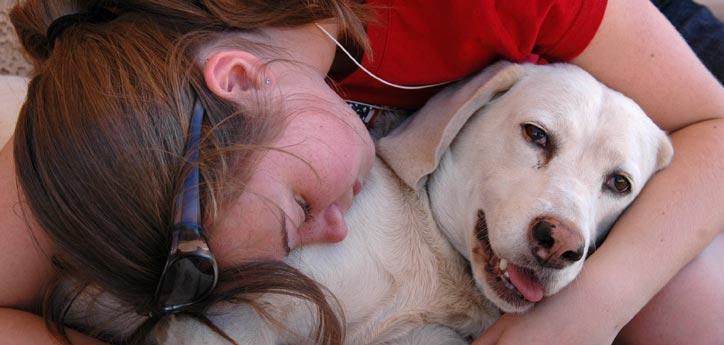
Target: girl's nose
x=327 y=227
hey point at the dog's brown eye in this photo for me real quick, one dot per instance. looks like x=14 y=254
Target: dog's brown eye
x=535 y=135
x=619 y=184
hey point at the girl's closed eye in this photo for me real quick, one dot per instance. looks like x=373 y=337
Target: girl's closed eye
x=305 y=208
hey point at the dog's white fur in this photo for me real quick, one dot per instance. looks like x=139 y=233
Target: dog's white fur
x=401 y=276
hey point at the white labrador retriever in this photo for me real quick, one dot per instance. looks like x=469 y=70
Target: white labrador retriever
x=518 y=171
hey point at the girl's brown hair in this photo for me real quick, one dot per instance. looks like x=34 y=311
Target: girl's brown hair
x=99 y=144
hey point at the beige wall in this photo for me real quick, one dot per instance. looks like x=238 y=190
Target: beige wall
x=11 y=60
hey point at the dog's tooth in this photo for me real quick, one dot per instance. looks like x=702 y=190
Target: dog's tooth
x=505 y=274
x=503 y=265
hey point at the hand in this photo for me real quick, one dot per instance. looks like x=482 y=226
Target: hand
x=539 y=327
x=516 y=329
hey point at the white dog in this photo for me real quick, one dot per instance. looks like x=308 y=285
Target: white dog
x=517 y=171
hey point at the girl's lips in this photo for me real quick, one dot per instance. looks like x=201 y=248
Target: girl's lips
x=357 y=187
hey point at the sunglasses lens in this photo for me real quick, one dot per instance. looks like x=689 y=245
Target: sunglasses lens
x=187 y=279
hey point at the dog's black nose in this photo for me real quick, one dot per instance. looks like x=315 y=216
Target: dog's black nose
x=555 y=244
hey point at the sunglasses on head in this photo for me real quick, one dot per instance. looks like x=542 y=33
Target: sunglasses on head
x=191 y=272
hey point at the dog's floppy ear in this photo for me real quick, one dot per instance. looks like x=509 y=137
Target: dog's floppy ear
x=414 y=149
x=665 y=153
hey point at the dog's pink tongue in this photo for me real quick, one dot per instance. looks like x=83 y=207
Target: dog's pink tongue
x=527 y=284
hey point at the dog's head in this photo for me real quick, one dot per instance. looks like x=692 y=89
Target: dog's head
x=527 y=167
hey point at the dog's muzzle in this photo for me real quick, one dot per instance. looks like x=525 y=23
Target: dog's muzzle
x=516 y=285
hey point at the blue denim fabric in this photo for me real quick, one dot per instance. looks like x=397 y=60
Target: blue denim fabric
x=699 y=27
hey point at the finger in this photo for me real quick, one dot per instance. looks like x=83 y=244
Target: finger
x=492 y=334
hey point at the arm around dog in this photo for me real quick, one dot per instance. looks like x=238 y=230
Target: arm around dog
x=25 y=269
x=19 y=328
x=678 y=213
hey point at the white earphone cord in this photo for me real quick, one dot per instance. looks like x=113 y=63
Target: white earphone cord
x=372 y=74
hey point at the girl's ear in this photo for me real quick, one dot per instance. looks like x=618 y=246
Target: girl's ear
x=232 y=74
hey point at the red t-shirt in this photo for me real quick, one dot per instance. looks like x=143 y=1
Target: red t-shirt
x=429 y=41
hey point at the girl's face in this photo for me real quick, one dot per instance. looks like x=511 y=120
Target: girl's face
x=300 y=190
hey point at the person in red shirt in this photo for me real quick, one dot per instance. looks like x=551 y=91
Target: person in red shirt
x=427 y=42
x=115 y=78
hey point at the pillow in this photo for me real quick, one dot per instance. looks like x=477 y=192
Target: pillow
x=12 y=96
